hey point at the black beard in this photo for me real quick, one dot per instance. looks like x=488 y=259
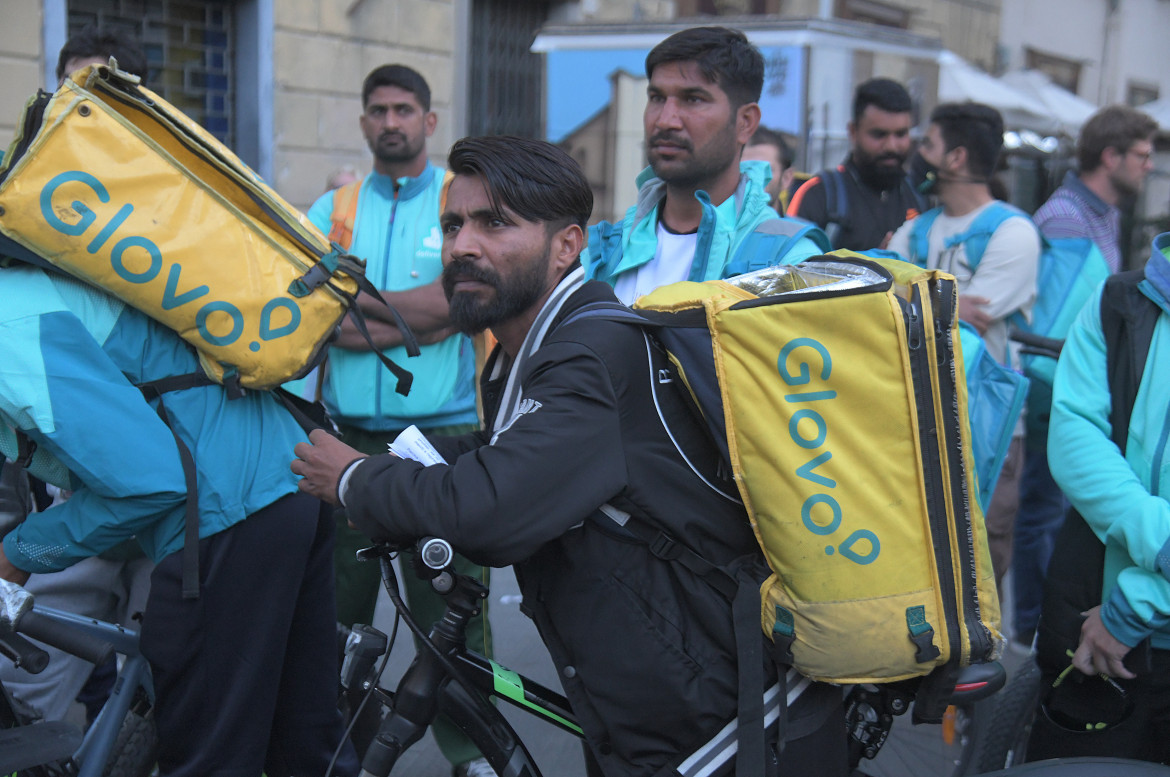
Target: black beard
x=881 y=177
x=703 y=166
x=405 y=152
x=471 y=313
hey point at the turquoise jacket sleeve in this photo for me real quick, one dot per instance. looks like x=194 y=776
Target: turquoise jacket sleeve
x=69 y=397
x=1111 y=488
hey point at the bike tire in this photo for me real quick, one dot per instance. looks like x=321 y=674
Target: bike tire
x=136 y=748
x=923 y=750
x=1002 y=723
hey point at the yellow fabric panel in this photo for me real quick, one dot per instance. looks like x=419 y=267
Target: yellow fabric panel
x=824 y=436
x=110 y=195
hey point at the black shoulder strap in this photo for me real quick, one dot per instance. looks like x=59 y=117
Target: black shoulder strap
x=836 y=203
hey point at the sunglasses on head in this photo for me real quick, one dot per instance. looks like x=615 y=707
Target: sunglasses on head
x=1085 y=703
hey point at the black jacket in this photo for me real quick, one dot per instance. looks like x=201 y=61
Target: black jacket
x=645 y=649
x=869 y=214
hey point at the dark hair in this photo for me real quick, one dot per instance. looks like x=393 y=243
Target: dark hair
x=535 y=180
x=1114 y=126
x=885 y=93
x=724 y=56
x=401 y=76
x=765 y=136
x=104 y=42
x=975 y=127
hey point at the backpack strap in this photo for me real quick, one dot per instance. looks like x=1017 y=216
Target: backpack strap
x=836 y=203
x=190 y=559
x=920 y=236
x=742 y=591
x=345 y=201
x=772 y=240
x=154 y=389
x=977 y=236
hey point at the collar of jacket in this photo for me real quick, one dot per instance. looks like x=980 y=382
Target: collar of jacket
x=407 y=187
x=721 y=229
x=1156 y=286
x=1074 y=184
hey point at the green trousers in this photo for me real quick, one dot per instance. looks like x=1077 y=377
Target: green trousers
x=358 y=583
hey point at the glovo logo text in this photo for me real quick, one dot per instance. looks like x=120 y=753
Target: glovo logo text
x=802 y=361
x=138 y=260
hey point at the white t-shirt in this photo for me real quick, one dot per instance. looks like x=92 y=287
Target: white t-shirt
x=671 y=264
x=1005 y=275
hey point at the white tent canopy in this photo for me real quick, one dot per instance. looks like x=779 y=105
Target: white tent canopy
x=959 y=80
x=1159 y=111
x=1064 y=107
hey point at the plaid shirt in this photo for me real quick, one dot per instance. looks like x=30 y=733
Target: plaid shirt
x=1074 y=210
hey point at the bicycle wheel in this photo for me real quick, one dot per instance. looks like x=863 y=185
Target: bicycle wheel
x=1003 y=723
x=136 y=748
x=925 y=750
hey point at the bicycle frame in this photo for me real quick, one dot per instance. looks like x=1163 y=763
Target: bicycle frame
x=95 y=637
x=447 y=678
x=99 y=741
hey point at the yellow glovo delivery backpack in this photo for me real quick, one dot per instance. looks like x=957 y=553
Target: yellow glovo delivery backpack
x=836 y=390
x=109 y=183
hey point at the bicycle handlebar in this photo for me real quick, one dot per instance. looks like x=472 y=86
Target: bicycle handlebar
x=64 y=636
x=23 y=654
x=1037 y=344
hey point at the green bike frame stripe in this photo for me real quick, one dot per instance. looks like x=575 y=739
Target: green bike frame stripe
x=508 y=684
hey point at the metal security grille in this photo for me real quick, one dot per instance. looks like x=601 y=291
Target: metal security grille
x=505 y=94
x=187 y=45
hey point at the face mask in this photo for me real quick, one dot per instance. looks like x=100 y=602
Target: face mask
x=923 y=175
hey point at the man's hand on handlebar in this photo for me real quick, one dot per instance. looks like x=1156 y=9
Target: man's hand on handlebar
x=321 y=462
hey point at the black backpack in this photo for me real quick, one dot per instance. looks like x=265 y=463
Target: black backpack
x=1076 y=572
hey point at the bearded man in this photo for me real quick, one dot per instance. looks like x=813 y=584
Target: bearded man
x=862 y=201
x=390 y=218
x=698 y=202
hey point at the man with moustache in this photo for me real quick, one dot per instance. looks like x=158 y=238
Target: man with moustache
x=393 y=223
x=575 y=455
x=702 y=213
x=864 y=199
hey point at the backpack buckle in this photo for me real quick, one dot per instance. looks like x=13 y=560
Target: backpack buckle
x=664 y=547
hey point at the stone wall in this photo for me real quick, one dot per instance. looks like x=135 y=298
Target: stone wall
x=21 y=62
x=322 y=50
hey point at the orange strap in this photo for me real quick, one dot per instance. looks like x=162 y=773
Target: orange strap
x=345 y=202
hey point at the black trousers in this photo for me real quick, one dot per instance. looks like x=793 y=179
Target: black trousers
x=1145 y=735
x=246 y=675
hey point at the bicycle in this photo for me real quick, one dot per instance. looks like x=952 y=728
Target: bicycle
x=446 y=677
x=122 y=742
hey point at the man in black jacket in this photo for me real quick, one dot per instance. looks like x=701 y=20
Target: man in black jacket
x=864 y=200
x=576 y=448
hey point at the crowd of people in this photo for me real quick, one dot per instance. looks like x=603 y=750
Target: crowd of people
x=552 y=437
